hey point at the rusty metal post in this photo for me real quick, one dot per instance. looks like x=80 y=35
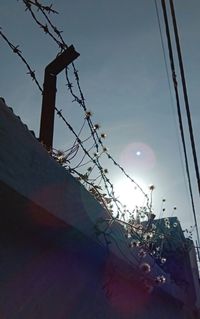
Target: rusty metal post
x=49 y=94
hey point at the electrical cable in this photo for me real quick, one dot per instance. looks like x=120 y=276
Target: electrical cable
x=163 y=50
x=170 y=91
x=185 y=94
x=187 y=106
x=179 y=111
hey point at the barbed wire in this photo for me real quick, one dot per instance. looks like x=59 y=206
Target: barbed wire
x=80 y=100
x=75 y=146
x=49 y=9
x=44 y=27
x=16 y=50
x=134 y=228
x=94 y=160
x=78 y=143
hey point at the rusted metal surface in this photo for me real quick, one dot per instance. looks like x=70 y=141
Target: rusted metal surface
x=49 y=94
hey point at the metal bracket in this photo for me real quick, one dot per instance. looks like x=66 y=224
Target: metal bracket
x=49 y=94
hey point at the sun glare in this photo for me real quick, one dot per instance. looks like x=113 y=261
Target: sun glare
x=129 y=194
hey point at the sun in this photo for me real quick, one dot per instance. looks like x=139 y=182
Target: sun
x=129 y=194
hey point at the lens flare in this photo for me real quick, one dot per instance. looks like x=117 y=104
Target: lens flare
x=138 y=157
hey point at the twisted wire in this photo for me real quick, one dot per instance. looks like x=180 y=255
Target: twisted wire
x=93 y=128
x=81 y=100
x=15 y=49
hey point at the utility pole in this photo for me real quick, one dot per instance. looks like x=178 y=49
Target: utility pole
x=49 y=94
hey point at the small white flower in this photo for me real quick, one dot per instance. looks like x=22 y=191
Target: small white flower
x=163 y=260
x=160 y=279
x=145 y=268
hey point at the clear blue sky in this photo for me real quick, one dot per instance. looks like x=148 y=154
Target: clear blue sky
x=124 y=80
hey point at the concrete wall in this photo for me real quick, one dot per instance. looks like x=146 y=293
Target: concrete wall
x=52 y=264
x=49 y=269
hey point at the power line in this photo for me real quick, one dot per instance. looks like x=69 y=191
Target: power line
x=187 y=106
x=185 y=94
x=179 y=112
x=170 y=90
x=163 y=49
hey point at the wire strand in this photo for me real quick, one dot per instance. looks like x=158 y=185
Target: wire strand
x=185 y=94
x=179 y=110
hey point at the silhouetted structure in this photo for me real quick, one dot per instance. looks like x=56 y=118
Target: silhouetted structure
x=52 y=263
x=49 y=94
